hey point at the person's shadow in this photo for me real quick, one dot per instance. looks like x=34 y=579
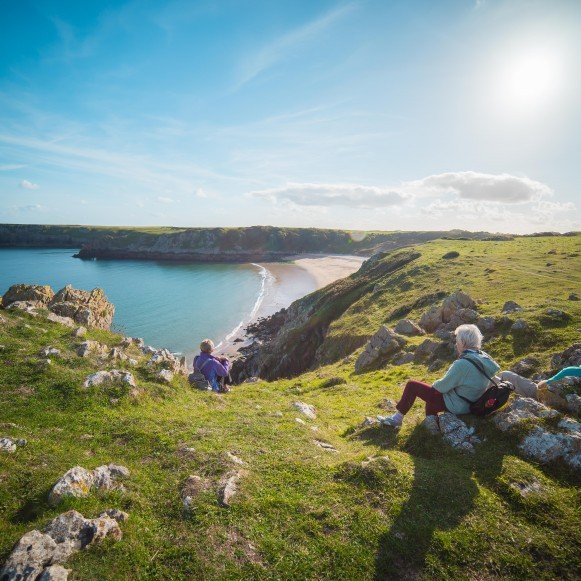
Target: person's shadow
x=442 y=494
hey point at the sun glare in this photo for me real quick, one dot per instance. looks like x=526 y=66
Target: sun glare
x=530 y=81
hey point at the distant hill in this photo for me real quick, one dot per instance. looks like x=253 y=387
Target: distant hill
x=217 y=244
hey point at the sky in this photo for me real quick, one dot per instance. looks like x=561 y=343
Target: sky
x=357 y=114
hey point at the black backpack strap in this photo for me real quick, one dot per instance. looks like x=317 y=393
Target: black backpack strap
x=203 y=364
x=480 y=368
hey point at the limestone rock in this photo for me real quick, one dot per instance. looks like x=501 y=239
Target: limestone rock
x=252 y=379
x=519 y=410
x=7 y=445
x=557 y=314
x=570 y=357
x=407 y=327
x=525 y=366
x=233 y=458
x=326 y=446
x=486 y=325
x=456 y=433
x=519 y=326
x=31 y=554
x=88 y=308
x=80 y=331
x=511 y=307
x=55 y=573
x=67 y=321
x=229 y=487
x=78 y=481
x=431 y=424
x=546 y=447
x=305 y=408
x=89 y=347
x=107 y=377
x=573 y=403
x=425 y=350
x=116 y=514
x=574 y=297
x=455 y=302
x=163 y=358
x=165 y=375
x=41 y=294
x=384 y=343
x=50 y=352
x=570 y=426
x=403 y=358
x=527 y=488
x=30 y=307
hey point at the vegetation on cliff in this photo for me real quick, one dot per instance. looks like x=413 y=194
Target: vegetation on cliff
x=308 y=502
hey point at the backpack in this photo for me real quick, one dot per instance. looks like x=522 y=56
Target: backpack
x=493 y=398
x=198 y=379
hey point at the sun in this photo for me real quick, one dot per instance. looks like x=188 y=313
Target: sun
x=530 y=80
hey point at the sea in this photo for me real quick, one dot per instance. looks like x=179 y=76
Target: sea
x=173 y=305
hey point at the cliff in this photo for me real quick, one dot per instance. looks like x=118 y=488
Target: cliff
x=214 y=244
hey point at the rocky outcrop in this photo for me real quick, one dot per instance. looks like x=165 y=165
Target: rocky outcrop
x=407 y=327
x=37 y=555
x=89 y=347
x=305 y=408
x=165 y=359
x=383 y=345
x=78 y=481
x=70 y=305
x=570 y=357
x=519 y=410
x=545 y=447
x=456 y=309
x=38 y=295
x=88 y=308
x=108 y=377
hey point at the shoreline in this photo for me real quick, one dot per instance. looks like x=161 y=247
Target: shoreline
x=285 y=282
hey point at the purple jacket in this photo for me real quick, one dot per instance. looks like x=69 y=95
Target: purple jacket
x=212 y=369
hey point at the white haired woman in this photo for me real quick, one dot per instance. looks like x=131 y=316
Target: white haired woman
x=462 y=380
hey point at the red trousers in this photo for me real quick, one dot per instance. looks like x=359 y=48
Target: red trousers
x=433 y=398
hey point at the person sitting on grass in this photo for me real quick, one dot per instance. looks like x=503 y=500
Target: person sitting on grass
x=215 y=369
x=462 y=380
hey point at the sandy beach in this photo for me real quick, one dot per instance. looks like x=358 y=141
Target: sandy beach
x=286 y=282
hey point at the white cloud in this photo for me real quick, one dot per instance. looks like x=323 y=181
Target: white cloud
x=25 y=184
x=165 y=200
x=353 y=195
x=10 y=166
x=470 y=185
x=200 y=193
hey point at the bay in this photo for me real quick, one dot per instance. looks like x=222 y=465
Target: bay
x=172 y=305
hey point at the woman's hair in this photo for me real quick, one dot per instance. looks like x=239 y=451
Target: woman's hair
x=468 y=336
x=207 y=346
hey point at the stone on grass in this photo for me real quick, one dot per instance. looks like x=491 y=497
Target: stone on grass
x=233 y=458
x=325 y=445
x=108 y=377
x=570 y=425
x=486 y=325
x=574 y=297
x=425 y=350
x=55 y=573
x=570 y=357
x=546 y=447
x=520 y=410
x=228 y=487
x=385 y=343
x=80 y=331
x=527 y=488
x=408 y=327
x=165 y=375
x=90 y=347
x=431 y=424
x=525 y=366
x=519 y=326
x=511 y=307
x=114 y=513
x=456 y=433
x=252 y=379
x=50 y=351
x=451 y=254
x=37 y=554
x=557 y=314
x=163 y=358
x=403 y=358
x=78 y=481
x=67 y=321
x=307 y=409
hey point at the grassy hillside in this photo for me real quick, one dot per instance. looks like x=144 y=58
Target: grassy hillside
x=424 y=511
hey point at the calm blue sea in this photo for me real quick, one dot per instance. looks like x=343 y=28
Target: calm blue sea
x=169 y=305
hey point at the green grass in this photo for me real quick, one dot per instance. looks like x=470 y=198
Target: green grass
x=426 y=512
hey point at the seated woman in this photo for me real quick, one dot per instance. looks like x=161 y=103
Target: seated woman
x=462 y=380
x=214 y=369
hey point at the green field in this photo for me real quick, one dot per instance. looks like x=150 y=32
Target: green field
x=425 y=512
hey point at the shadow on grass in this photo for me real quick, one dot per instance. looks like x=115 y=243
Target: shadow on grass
x=32 y=508
x=442 y=494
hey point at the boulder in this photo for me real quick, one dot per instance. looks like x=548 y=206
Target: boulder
x=455 y=302
x=448 y=312
x=573 y=297
x=487 y=325
x=570 y=357
x=451 y=254
x=30 y=307
x=546 y=447
x=50 y=352
x=108 y=377
x=89 y=347
x=9 y=445
x=88 y=308
x=163 y=358
x=511 y=307
x=165 y=376
x=307 y=409
x=79 y=331
x=39 y=555
x=573 y=403
x=431 y=319
x=407 y=327
x=116 y=514
x=385 y=343
x=60 y=320
x=78 y=481
x=557 y=314
x=520 y=410
x=526 y=366
x=456 y=433
x=425 y=350
x=403 y=358
x=519 y=326
x=41 y=295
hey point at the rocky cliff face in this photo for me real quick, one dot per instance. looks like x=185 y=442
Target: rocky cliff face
x=256 y=243
x=288 y=343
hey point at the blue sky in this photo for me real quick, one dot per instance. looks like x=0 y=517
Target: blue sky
x=364 y=114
